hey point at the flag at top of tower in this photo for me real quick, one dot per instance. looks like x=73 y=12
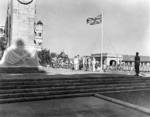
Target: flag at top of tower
x=95 y=20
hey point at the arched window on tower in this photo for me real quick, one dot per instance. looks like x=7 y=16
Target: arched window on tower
x=40 y=34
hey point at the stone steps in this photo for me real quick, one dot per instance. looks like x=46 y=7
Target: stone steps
x=30 y=87
x=69 y=91
x=66 y=83
x=47 y=95
x=37 y=98
x=52 y=82
x=66 y=87
x=33 y=79
x=18 y=70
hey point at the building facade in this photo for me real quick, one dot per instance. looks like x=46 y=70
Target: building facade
x=108 y=59
x=123 y=62
x=38 y=35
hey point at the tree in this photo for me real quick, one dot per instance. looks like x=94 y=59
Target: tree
x=3 y=45
x=53 y=54
x=45 y=57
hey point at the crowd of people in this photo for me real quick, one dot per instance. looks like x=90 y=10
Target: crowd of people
x=85 y=63
x=88 y=63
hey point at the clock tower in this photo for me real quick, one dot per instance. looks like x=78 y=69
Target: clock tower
x=22 y=18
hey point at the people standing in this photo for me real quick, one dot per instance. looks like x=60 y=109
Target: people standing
x=89 y=64
x=86 y=63
x=78 y=61
x=83 y=62
x=93 y=64
x=137 y=64
x=75 y=63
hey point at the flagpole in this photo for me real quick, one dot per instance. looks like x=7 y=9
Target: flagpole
x=102 y=42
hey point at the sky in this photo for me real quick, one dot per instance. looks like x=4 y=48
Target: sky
x=126 y=25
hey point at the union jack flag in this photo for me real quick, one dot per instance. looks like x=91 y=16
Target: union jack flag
x=95 y=20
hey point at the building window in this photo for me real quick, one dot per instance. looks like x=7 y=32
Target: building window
x=40 y=34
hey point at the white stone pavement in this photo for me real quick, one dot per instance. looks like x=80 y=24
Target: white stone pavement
x=53 y=71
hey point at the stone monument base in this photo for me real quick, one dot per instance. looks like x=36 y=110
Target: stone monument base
x=20 y=70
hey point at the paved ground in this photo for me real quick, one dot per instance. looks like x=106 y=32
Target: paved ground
x=53 y=71
x=70 y=107
x=69 y=71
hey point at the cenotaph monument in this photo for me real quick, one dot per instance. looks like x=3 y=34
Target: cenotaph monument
x=22 y=18
x=20 y=24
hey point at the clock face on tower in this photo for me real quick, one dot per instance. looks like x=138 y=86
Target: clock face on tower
x=25 y=1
